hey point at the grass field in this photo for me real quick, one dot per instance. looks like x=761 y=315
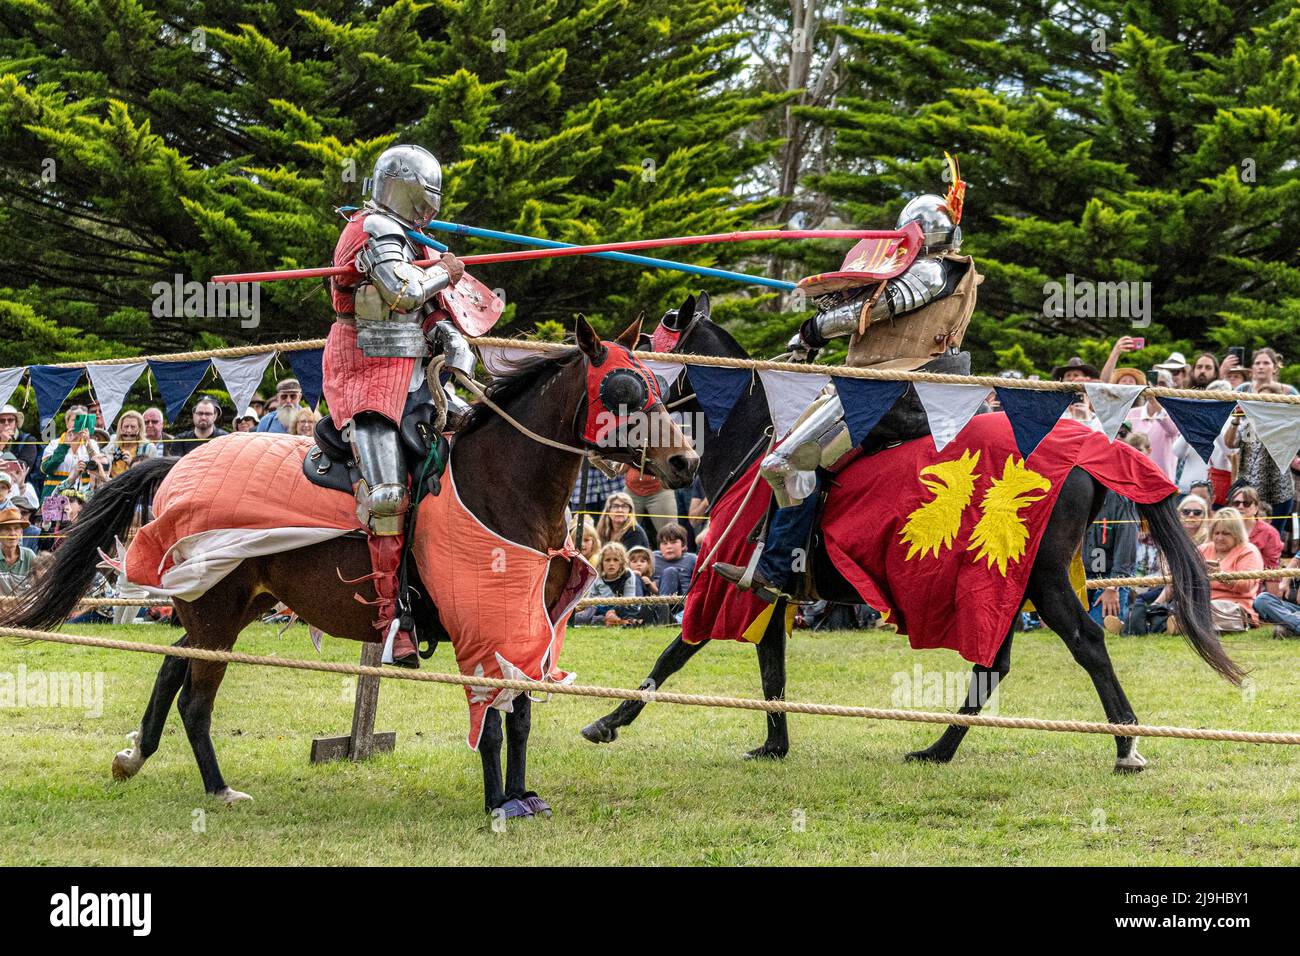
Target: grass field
x=672 y=789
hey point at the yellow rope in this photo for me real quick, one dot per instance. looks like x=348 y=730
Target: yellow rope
x=663 y=697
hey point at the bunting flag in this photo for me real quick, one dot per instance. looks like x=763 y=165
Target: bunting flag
x=1277 y=426
x=177 y=382
x=949 y=408
x=1111 y=403
x=788 y=394
x=1032 y=414
x=242 y=376
x=308 y=368
x=111 y=384
x=668 y=371
x=9 y=379
x=497 y=359
x=717 y=390
x=53 y=386
x=1200 y=420
x=865 y=402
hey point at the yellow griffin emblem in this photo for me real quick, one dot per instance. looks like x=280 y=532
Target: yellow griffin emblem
x=999 y=536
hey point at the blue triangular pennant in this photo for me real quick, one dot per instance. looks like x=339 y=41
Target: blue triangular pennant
x=177 y=382
x=718 y=390
x=53 y=385
x=865 y=402
x=1032 y=414
x=308 y=368
x=1200 y=420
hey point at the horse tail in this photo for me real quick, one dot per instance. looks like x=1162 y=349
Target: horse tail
x=106 y=518
x=1191 y=586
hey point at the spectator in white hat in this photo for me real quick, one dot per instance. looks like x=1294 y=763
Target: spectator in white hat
x=247 y=422
x=1177 y=367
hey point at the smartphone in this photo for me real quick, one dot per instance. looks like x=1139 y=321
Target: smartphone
x=1153 y=376
x=85 y=423
x=1138 y=343
x=1240 y=352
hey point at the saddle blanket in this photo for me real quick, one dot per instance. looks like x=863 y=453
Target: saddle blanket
x=244 y=495
x=940 y=542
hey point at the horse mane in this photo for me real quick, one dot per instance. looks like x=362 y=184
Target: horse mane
x=521 y=376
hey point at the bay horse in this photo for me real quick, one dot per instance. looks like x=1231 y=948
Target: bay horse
x=517 y=487
x=743 y=439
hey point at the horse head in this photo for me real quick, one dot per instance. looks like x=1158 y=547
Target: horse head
x=624 y=416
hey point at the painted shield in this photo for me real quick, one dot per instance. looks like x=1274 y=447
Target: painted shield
x=473 y=306
x=881 y=256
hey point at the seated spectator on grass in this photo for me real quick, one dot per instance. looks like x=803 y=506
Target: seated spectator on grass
x=1281 y=607
x=641 y=562
x=617 y=524
x=590 y=543
x=206 y=414
x=615 y=581
x=674 y=565
x=1259 y=532
x=1229 y=549
x=129 y=444
x=15 y=560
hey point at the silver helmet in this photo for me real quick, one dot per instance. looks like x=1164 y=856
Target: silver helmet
x=407 y=182
x=936 y=220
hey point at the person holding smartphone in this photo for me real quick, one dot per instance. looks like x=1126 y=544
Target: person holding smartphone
x=62 y=454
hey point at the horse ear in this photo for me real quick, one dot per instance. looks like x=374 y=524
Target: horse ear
x=631 y=336
x=686 y=312
x=703 y=307
x=589 y=341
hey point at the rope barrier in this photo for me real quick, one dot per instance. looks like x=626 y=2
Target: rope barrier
x=663 y=697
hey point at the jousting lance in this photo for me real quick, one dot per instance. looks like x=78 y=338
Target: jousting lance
x=525 y=255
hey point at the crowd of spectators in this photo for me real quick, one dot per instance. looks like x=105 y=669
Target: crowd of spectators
x=1237 y=507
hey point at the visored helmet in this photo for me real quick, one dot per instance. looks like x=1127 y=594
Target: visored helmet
x=942 y=234
x=407 y=182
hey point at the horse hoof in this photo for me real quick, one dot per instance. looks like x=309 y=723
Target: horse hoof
x=599 y=732
x=231 y=797
x=127 y=763
x=925 y=756
x=1133 y=763
x=767 y=752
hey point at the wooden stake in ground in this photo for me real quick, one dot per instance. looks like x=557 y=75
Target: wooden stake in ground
x=363 y=741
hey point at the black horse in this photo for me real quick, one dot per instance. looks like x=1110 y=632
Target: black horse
x=742 y=439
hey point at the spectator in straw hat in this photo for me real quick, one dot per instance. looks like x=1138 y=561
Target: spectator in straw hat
x=288 y=400
x=13 y=439
x=15 y=560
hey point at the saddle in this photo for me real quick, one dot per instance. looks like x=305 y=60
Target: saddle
x=330 y=465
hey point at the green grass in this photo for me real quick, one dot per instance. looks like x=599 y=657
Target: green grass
x=672 y=789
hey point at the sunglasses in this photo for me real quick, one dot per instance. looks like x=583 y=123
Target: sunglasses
x=1239 y=503
x=1191 y=512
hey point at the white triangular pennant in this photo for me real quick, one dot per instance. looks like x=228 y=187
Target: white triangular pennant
x=1277 y=426
x=1111 y=404
x=242 y=376
x=498 y=358
x=668 y=371
x=788 y=394
x=949 y=408
x=111 y=384
x=9 y=379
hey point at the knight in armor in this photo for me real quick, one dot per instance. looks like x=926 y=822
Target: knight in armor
x=388 y=316
x=913 y=320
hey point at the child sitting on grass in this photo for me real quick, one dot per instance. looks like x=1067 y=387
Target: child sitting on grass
x=615 y=581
